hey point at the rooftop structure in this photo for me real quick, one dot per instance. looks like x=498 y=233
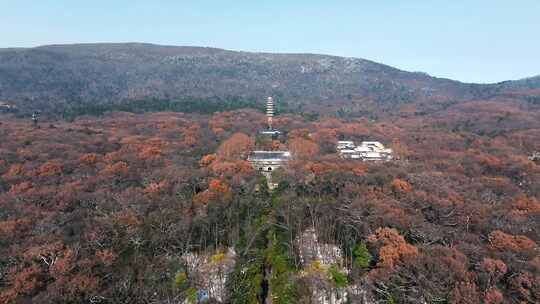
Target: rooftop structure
x=535 y=157
x=349 y=153
x=366 y=151
x=272 y=133
x=373 y=144
x=35 y=118
x=6 y=107
x=345 y=144
x=268 y=160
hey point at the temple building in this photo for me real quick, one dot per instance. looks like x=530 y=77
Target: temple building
x=268 y=161
x=366 y=151
x=7 y=108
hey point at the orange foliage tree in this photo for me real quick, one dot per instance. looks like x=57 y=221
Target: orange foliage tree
x=401 y=186
x=504 y=241
x=15 y=171
x=207 y=160
x=89 y=158
x=523 y=205
x=119 y=168
x=237 y=146
x=218 y=186
x=391 y=245
x=24 y=281
x=50 y=168
x=217 y=189
x=155 y=187
x=20 y=188
x=301 y=147
x=496 y=268
x=150 y=152
x=228 y=168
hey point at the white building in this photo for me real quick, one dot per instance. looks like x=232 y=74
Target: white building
x=6 y=107
x=345 y=144
x=349 y=153
x=535 y=157
x=366 y=151
x=268 y=160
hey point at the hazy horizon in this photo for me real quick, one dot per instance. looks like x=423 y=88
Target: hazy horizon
x=481 y=42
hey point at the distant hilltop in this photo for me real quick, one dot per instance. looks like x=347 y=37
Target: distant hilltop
x=66 y=75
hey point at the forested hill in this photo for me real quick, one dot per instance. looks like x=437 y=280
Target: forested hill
x=52 y=76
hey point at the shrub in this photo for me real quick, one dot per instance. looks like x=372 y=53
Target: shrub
x=337 y=277
x=180 y=280
x=362 y=257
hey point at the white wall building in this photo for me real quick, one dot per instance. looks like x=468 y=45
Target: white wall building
x=268 y=160
x=366 y=151
x=345 y=144
x=535 y=157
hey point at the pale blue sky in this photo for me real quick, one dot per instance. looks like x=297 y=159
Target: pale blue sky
x=471 y=41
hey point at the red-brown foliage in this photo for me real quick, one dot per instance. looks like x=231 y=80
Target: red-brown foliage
x=106 y=256
x=527 y=286
x=303 y=148
x=156 y=187
x=401 y=186
x=237 y=146
x=504 y=241
x=495 y=268
x=14 y=171
x=204 y=197
x=89 y=158
x=9 y=227
x=523 y=205
x=20 y=188
x=493 y=296
x=150 y=152
x=465 y=293
x=119 y=168
x=50 y=168
x=207 y=160
x=24 y=281
x=391 y=245
x=218 y=186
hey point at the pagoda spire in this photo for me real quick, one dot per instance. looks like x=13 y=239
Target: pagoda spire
x=270 y=111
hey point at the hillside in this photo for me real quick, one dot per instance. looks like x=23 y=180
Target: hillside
x=51 y=76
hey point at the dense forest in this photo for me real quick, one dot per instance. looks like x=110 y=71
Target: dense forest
x=162 y=207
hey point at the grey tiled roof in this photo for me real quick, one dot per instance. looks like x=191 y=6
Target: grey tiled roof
x=269 y=155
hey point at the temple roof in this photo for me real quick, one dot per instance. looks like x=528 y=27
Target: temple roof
x=269 y=156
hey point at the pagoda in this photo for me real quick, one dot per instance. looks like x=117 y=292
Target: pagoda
x=269 y=118
x=264 y=160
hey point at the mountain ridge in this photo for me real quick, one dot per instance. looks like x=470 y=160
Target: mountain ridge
x=67 y=74
x=46 y=46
